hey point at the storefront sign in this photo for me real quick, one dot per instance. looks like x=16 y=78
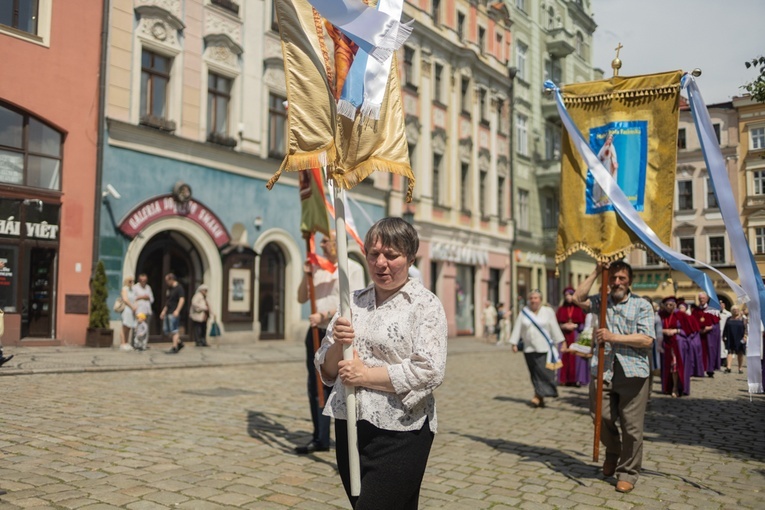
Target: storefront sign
x=165 y=206
x=458 y=253
x=41 y=220
x=530 y=257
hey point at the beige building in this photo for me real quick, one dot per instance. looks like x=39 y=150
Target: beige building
x=552 y=39
x=751 y=173
x=698 y=229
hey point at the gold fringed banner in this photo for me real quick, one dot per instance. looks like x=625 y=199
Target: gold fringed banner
x=631 y=124
x=317 y=136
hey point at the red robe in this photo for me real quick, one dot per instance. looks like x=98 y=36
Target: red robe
x=705 y=319
x=569 y=312
x=673 y=359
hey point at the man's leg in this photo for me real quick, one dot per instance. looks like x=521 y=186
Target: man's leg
x=633 y=397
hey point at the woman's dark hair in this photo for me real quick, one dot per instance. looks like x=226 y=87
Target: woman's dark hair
x=394 y=233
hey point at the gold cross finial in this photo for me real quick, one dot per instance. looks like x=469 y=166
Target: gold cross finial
x=618 y=49
x=616 y=64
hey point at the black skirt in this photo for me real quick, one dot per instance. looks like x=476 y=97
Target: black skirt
x=542 y=377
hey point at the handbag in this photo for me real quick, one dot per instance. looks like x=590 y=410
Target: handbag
x=119 y=305
x=215 y=329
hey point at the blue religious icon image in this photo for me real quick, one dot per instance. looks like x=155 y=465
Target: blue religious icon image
x=622 y=147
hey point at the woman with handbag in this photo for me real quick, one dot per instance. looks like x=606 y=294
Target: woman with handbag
x=200 y=313
x=128 y=312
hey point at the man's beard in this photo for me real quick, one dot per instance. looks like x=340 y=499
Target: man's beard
x=617 y=294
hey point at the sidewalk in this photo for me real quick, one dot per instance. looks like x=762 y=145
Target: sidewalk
x=50 y=360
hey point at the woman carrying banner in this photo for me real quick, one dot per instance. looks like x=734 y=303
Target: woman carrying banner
x=538 y=328
x=399 y=337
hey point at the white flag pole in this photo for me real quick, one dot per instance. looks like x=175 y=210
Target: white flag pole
x=345 y=311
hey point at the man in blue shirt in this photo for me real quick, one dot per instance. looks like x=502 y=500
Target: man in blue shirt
x=627 y=338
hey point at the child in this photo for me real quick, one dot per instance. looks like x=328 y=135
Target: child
x=141 y=337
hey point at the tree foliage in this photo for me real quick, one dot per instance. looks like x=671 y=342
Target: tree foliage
x=99 y=312
x=757 y=86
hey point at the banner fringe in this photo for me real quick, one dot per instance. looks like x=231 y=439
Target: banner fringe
x=619 y=95
x=600 y=257
x=347 y=179
x=305 y=161
x=346 y=109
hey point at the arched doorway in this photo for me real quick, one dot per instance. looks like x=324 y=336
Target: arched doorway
x=271 y=291
x=170 y=252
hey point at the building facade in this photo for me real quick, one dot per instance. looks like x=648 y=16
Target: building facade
x=195 y=122
x=698 y=229
x=552 y=39
x=751 y=173
x=49 y=104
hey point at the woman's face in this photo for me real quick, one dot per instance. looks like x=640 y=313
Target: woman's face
x=388 y=267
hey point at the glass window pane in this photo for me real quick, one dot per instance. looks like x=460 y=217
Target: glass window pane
x=11 y=128
x=44 y=139
x=27 y=16
x=210 y=113
x=43 y=173
x=221 y=116
x=144 y=107
x=11 y=167
x=211 y=81
x=224 y=85
x=6 y=13
x=159 y=94
x=162 y=64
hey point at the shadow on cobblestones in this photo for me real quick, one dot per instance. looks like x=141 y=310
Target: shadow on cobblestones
x=266 y=428
x=556 y=460
x=731 y=426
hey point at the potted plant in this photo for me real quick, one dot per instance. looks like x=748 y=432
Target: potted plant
x=99 y=333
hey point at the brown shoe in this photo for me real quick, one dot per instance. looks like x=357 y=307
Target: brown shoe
x=622 y=486
x=609 y=468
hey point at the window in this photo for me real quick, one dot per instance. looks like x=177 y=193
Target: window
x=482 y=98
x=498 y=48
x=550 y=213
x=502 y=128
x=759 y=182
x=759 y=240
x=520 y=60
x=20 y=14
x=681 y=141
x=651 y=259
x=435 y=11
x=717 y=250
x=684 y=195
x=277 y=134
x=757 y=137
x=30 y=151
x=465 y=182
x=408 y=65
x=218 y=98
x=483 y=200
x=521 y=131
x=553 y=70
x=579 y=44
x=481 y=39
x=155 y=81
x=465 y=95
x=716 y=127
x=437 y=159
x=439 y=85
x=711 y=198
x=552 y=142
x=274 y=19
x=460 y=26
x=550 y=18
x=523 y=209
x=688 y=247
x=501 y=198
x=521 y=4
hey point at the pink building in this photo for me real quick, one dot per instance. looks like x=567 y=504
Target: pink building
x=49 y=106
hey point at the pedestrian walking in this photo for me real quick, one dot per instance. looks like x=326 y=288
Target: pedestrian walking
x=674 y=332
x=398 y=330
x=538 y=335
x=327 y=295
x=141 y=333
x=626 y=339
x=200 y=314
x=171 y=312
x=143 y=296
x=735 y=336
x=489 y=315
x=128 y=313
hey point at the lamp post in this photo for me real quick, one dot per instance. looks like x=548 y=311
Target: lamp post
x=511 y=73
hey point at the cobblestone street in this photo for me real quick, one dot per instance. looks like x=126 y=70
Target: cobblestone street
x=218 y=432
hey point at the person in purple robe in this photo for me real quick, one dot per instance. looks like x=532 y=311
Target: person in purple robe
x=575 y=370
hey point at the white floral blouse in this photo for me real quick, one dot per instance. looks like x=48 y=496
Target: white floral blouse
x=407 y=334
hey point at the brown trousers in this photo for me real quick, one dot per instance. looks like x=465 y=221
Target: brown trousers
x=625 y=399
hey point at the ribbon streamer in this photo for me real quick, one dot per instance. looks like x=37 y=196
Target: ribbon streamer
x=749 y=274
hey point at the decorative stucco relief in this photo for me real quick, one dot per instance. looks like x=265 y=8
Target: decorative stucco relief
x=218 y=24
x=170 y=6
x=412 y=129
x=160 y=31
x=274 y=80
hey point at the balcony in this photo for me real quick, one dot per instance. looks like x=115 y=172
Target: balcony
x=560 y=43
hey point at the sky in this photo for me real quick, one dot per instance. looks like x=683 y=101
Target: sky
x=717 y=36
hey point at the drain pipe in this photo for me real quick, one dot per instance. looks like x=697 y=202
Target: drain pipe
x=101 y=134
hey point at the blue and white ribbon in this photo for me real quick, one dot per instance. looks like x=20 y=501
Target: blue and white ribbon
x=748 y=273
x=376 y=32
x=553 y=356
x=367 y=79
x=630 y=216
